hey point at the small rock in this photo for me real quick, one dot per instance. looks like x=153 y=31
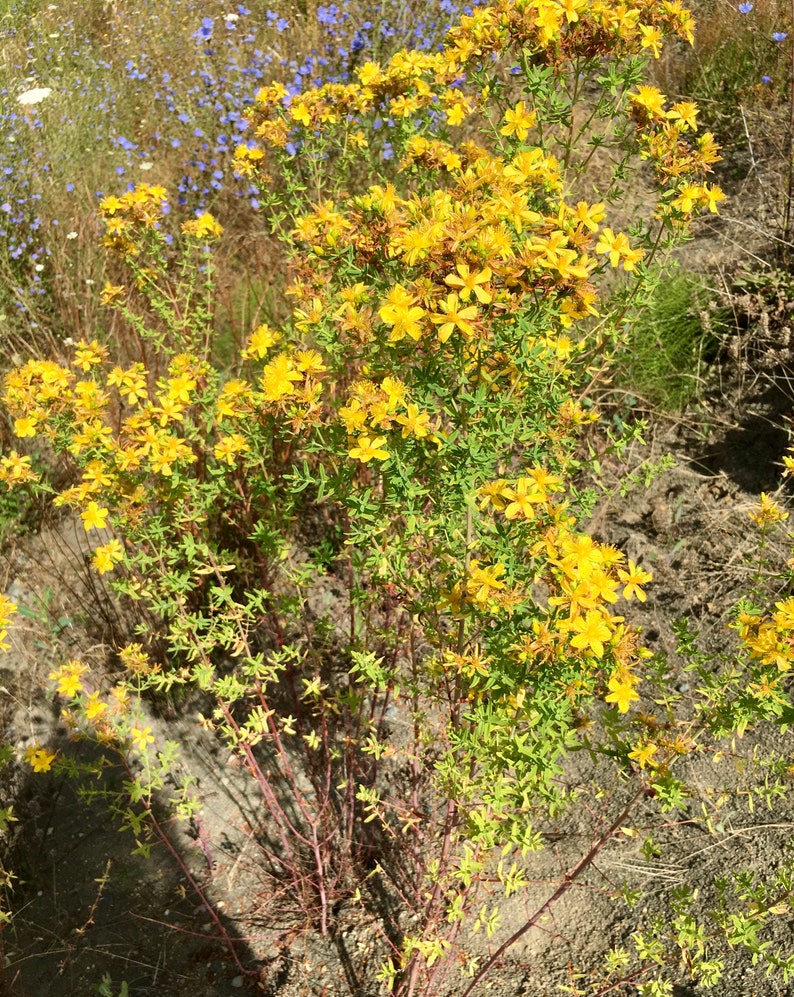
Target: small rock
x=237 y=982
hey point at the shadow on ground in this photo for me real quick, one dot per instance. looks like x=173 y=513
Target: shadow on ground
x=88 y=909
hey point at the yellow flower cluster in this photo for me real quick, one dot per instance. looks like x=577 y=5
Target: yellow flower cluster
x=203 y=227
x=469 y=253
x=483 y=587
x=372 y=410
x=770 y=638
x=767 y=512
x=551 y=31
x=105 y=714
x=39 y=759
x=135 y=209
x=143 y=208
x=130 y=432
x=679 y=166
x=583 y=579
x=497 y=217
x=78 y=414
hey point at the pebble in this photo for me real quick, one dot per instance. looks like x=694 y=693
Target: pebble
x=237 y=982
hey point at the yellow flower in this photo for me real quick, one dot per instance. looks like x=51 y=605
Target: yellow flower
x=768 y=512
x=711 y=197
x=94 y=517
x=451 y=316
x=549 y=21
x=591 y=632
x=88 y=355
x=617 y=248
x=621 y=692
x=246 y=159
x=67 y=678
x=784 y=617
x=260 y=342
x=494 y=493
x=94 y=707
x=456 y=112
x=108 y=556
x=300 y=112
x=400 y=312
x=581 y=555
x=632 y=579
x=39 y=758
x=309 y=362
x=227 y=448
x=232 y=399
x=688 y=196
x=141 y=736
x=522 y=499
x=203 y=227
x=16 y=469
x=370 y=73
x=354 y=416
x=414 y=422
x=26 y=425
x=651 y=99
x=130 y=382
x=278 y=378
x=468 y=282
x=111 y=204
x=590 y=215
x=110 y=292
x=643 y=754
x=652 y=39
x=685 y=113
x=518 y=121
x=484 y=580
x=395 y=391
x=366 y=448
x=179 y=388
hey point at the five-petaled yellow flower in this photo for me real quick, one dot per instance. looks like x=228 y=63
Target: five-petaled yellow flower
x=39 y=758
x=621 y=692
x=141 y=736
x=517 y=121
x=94 y=517
x=366 y=448
x=632 y=579
x=643 y=755
x=591 y=632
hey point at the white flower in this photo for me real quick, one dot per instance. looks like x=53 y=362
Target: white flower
x=71 y=235
x=35 y=96
x=145 y=166
x=231 y=17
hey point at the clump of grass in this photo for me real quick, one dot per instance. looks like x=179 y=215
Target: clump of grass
x=668 y=347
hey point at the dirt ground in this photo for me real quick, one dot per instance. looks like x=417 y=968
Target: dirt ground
x=87 y=909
